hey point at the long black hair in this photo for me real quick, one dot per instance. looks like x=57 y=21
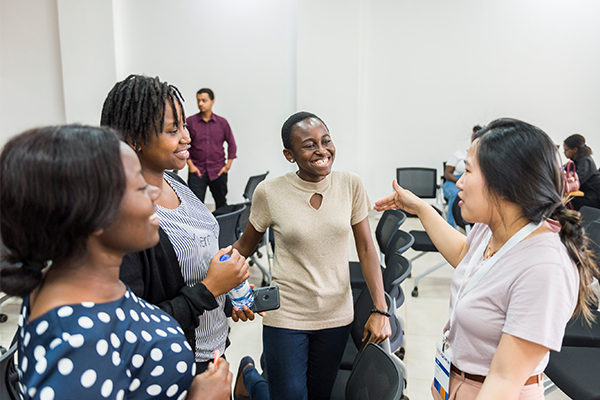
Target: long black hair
x=521 y=164
x=577 y=141
x=136 y=107
x=58 y=185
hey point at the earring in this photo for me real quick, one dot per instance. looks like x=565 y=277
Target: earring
x=292 y=160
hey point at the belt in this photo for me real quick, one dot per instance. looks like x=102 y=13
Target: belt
x=481 y=378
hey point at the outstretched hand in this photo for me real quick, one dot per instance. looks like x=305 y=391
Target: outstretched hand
x=401 y=198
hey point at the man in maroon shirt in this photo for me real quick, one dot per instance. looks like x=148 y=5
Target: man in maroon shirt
x=207 y=163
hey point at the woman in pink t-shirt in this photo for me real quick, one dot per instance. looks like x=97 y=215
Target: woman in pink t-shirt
x=520 y=275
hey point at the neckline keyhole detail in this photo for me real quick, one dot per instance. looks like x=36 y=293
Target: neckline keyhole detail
x=316 y=200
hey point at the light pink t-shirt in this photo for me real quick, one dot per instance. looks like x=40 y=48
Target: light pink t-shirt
x=531 y=293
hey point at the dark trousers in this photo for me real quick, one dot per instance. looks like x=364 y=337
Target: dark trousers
x=302 y=365
x=218 y=187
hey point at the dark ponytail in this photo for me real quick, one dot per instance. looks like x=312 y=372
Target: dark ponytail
x=575 y=240
x=521 y=164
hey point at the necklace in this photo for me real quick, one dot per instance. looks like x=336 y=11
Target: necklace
x=488 y=251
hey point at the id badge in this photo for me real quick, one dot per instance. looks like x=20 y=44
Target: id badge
x=441 y=380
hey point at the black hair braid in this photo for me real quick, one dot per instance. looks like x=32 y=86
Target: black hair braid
x=573 y=236
x=136 y=107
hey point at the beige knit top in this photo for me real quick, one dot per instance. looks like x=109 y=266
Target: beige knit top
x=311 y=246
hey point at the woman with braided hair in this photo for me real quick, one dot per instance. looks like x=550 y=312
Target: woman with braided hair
x=521 y=273
x=182 y=274
x=73 y=203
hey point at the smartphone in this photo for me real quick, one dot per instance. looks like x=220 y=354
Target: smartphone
x=265 y=299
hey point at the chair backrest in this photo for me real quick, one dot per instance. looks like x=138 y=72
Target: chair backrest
x=593 y=234
x=386 y=227
x=362 y=312
x=397 y=269
x=228 y=227
x=421 y=181
x=375 y=376
x=253 y=182
x=244 y=218
x=588 y=215
x=399 y=243
x=9 y=389
x=456 y=213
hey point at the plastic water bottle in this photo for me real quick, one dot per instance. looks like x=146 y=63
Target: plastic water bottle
x=240 y=295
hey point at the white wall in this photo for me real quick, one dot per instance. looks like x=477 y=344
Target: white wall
x=88 y=57
x=30 y=68
x=244 y=51
x=399 y=83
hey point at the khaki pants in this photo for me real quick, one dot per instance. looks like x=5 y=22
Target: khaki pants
x=462 y=388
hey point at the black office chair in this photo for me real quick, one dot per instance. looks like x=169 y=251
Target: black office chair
x=579 y=334
x=9 y=387
x=588 y=215
x=251 y=185
x=575 y=371
x=229 y=226
x=362 y=312
x=399 y=243
x=456 y=213
x=396 y=271
x=375 y=375
x=423 y=245
x=388 y=224
x=423 y=183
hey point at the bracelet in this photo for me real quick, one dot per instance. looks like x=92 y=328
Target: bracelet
x=378 y=311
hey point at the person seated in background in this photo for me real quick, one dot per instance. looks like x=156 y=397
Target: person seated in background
x=521 y=273
x=589 y=177
x=182 y=274
x=73 y=203
x=455 y=167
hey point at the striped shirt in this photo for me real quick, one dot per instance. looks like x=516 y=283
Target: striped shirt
x=194 y=233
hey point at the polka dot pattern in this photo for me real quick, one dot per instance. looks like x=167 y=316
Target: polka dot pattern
x=116 y=350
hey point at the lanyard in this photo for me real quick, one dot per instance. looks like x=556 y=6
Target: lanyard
x=490 y=262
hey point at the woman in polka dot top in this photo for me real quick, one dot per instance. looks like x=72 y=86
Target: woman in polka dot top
x=74 y=202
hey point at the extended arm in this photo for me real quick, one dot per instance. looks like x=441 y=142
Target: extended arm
x=450 y=243
x=378 y=325
x=514 y=362
x=249 y=240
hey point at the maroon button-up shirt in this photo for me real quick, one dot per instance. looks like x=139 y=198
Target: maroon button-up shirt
x=207 y=151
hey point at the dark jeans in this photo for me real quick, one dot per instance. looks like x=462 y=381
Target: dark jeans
x=218 y=187
x=302 y=365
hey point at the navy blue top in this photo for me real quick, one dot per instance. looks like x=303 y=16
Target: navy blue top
x=123 y=349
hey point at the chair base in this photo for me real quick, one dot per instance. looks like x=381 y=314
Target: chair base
x=415 y=292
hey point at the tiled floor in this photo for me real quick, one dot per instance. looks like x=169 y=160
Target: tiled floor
x=425 y=316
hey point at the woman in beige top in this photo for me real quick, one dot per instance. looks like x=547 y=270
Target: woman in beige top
x=312 y=212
